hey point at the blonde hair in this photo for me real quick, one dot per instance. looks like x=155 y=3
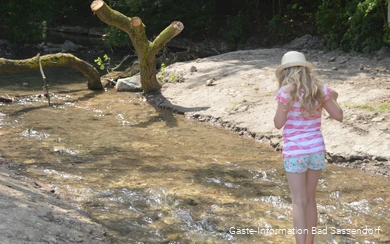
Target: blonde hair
x=304 y=88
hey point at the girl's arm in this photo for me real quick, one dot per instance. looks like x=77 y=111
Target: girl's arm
x=333 y=108
x=280 y=116
x=333 y=94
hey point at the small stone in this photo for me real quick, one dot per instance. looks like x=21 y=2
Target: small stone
x=210 y=82
x=378 y=119
x=193 y=69
x=343 y=61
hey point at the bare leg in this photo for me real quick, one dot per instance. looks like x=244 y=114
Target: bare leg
x=297 y=184
x=312 y=177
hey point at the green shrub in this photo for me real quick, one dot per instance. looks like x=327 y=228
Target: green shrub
x=353 y=26
x=23 y=20
x=237 y=28
x=365 y=28
x=295 y=20
x=331 y=22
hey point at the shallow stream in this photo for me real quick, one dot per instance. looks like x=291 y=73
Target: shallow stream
x=151 y=176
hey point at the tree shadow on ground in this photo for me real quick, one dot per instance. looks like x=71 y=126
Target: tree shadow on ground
x=161 y=104
x=85 y=97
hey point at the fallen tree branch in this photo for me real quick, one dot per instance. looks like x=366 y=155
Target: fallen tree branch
x=5 y=100
x=55 y=60
x=45 y=87
x=124 y=59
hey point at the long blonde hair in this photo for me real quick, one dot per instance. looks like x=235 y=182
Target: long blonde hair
x=304 y=88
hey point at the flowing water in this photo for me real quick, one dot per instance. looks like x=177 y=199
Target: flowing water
x=151 y=176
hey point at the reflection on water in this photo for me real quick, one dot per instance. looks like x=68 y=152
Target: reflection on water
x=150 y=176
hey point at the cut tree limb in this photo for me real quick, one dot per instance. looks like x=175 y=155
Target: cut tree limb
x=45 y=86
x=146 y=50
x=54 y=60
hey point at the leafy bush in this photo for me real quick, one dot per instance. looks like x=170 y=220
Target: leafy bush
x=295 y=20
x=22 y=20
x=331 y=22
x=353 y=26
x=365 y=28
x=237 y=28
x=197 y=17
x=202 y=19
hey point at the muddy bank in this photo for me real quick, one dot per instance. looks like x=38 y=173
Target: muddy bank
x=242 y=99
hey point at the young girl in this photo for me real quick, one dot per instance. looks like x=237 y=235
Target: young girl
x=300 y=101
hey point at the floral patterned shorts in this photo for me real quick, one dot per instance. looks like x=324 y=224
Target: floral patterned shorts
x=300 y=164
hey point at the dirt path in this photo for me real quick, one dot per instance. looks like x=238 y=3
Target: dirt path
x=242 y=98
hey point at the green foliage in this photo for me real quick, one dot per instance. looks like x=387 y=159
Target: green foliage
x=203 y=19
x=114 y=37
x=330 y=20
x=365 y=28
x=22 y=19
x=295 y=20
x=173 y=77
x=198 y=18
x=236 y=29
x=385 y=107
x=353 y=26
x=103 y=63
x=356 y=25
x=160 y=77
x=276 y=29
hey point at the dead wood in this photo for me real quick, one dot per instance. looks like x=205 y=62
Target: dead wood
x=146 y=50
x=45 y=85
x=54 y=60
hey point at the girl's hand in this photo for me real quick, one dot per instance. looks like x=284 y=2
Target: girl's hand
x=280 y=116
x=332 y=107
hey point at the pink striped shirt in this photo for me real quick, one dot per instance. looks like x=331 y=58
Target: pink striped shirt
x=302 y=135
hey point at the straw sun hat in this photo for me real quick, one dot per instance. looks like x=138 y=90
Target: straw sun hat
x=291 y=59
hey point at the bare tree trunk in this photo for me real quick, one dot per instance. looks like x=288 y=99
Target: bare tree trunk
x=148 y=74
x=146 y=50
x=54 y=60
